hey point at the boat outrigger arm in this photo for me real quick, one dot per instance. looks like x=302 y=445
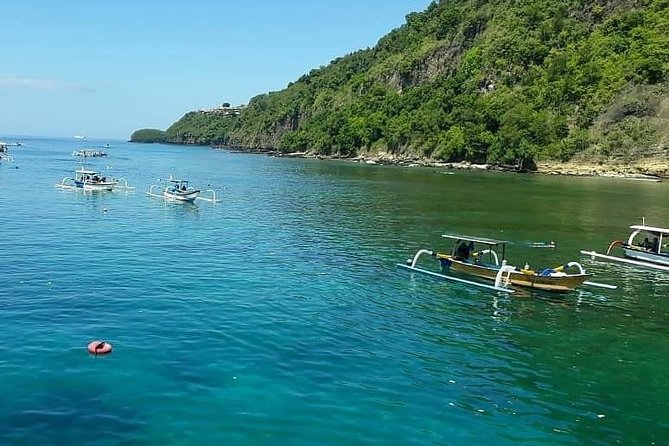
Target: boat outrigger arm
x=595 y=255
x=501 y=281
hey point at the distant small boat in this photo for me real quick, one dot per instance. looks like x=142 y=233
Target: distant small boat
x=79 y=137
x=181 y=192
x=88 y=153
x=92 y=181
x=651 y=252
x=4 y=152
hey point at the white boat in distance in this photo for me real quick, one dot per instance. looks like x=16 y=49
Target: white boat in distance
x=4 y=152
x=87 y=153
x=180 y=191
x=92 y=181
x=79 y=137
x=646 y=246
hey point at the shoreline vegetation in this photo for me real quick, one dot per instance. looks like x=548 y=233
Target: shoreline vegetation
x=557 y=87
x=648 y=170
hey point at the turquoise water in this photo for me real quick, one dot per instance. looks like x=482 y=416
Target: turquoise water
x=277 y=316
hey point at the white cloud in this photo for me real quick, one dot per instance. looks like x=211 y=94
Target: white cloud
x=14 y=81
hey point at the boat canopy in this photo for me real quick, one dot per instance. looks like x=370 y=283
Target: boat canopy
x=468 y=238
x=89 y=172
x=177 y=181
x=652 y=229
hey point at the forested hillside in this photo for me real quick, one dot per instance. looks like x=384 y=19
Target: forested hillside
x=508 y=82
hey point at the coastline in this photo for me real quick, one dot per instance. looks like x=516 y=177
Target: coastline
x=651 y=169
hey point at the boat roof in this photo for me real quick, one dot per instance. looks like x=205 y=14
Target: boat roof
x=82 y=170
x=475 y=239
x=650 y=229
x=175 y=180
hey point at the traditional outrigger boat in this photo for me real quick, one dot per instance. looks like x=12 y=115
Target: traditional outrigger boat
x=646 y=246
x=90 y=180
x=180 y=191
x=4 y=152
x=89 y=153
x=485 y=263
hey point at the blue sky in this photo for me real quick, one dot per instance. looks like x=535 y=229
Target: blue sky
x=105 y=69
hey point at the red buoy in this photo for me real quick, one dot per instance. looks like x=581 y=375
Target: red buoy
x=99 y=348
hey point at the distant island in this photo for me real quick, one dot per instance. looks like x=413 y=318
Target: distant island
x=519 y=84
x=148 y=136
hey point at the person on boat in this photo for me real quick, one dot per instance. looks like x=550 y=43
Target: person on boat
x=464 y=250
x=183 y=187
x=655 y=246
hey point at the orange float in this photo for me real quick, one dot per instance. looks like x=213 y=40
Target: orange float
x=99 y=348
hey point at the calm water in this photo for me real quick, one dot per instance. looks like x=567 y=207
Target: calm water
x=277 y=316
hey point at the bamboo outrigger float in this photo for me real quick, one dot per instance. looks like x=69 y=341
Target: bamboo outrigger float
x=486 y=264
x=646 y=246
x=501 y=280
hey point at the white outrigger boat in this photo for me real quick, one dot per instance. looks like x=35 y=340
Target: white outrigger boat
x=646 y=246
x=92 y=181
x=4 y=152
x=88 y=153
x=181 y=192
x=486 y=264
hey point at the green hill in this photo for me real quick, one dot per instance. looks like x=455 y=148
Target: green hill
x=505 y=82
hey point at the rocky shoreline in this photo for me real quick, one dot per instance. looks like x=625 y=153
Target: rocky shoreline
x=649 y=170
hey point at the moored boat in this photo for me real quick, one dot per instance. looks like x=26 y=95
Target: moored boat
x=180 y=191
x=478 y=257
x=646 y=246
x=90 y=180
x=4 y=152
x=88 y=153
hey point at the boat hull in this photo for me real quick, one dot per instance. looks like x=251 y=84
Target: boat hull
x=95 y=187
x=188 y=197
x=645 y=256
x=561 y=283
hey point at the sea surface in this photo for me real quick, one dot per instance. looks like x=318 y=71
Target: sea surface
x=277 y=316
